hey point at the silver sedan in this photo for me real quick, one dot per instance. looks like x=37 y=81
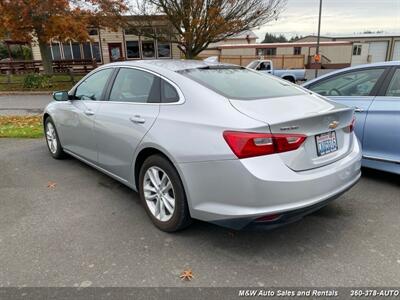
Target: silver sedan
x=208 y=141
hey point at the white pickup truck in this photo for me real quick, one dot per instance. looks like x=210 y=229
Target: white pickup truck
x=267 y=66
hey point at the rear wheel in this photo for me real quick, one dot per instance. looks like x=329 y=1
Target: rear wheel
x=53 y=142
x=162 y=194
x=290 y=79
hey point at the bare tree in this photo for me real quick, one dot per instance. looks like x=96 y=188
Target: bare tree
x=194 y=24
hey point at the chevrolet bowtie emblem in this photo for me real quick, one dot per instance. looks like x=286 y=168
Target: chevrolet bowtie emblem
x=333 y=125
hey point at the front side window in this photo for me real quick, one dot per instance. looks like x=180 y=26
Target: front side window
x=355 y=83
x=241 y=84
x=132 y=85
x=394 y=86
x=92 y=88
x=264 y=66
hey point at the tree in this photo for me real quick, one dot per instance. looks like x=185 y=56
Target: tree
x=295 y=38
x=197 y=23
x=271 y=38
x=41 y=21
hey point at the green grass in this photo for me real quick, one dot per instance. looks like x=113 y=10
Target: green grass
x=21 y=126
x=57 y=82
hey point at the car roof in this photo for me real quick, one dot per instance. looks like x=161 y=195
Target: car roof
x=379 y=64
x=170 y=64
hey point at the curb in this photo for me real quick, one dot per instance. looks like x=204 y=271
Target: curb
x=12 y=93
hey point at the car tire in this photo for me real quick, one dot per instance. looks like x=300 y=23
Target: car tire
x=157 y=199
x=52 y=139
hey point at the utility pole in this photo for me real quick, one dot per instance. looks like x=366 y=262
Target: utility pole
x=319 y=33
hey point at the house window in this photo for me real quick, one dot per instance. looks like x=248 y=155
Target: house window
x=93 y=31
x=357 y=50
x=164 y=50
x=148 y=49
x=87 y=52
x=266 y=51
x=130 y=31
x=297 y=50
x=96 y=51
x=55 y=47
x=76 y=50
x=132 y=49
x=67 y=51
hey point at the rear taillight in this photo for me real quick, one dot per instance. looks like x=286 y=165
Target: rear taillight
x=248 y=144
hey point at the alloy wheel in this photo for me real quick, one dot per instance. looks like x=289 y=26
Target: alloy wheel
x=51 y=137
x=159 y=193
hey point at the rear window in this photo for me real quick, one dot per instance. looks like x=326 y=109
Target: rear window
x=241 y=84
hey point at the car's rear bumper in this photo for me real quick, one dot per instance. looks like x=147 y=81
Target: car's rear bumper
x=235 y=193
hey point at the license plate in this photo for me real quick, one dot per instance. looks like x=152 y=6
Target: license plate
x=326 y=143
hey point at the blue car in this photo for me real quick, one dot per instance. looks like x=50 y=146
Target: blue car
x=374 y=92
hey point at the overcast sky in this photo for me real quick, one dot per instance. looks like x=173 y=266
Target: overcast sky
x=338 y=17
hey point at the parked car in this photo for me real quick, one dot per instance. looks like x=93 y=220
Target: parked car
x=374 y=91
x=267 y=66
x=214 y=142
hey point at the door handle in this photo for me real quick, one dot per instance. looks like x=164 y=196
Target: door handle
x=137 y=119
x=357 y=109
x=89 y=112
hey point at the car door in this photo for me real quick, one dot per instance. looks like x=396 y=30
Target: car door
x=382 y=126
x=78 y=114
x=121 y=122
x=355 y=88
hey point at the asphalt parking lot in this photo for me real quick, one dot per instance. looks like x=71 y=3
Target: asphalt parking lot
x=90 y=230
x=23 y=104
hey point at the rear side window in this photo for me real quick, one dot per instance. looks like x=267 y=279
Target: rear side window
x=355 y=83
x=132 y=85
x=394 y=87
x=242 y=84
x=169 y=93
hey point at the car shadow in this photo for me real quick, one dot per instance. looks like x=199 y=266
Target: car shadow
x=381 y=176
x=315 y=231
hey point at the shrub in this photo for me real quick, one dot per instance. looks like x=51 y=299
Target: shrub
x=35 y=81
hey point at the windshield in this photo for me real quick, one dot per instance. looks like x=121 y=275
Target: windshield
x=241 y=84
x=253 y=64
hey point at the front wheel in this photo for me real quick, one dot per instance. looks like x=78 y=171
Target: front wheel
x=162 y=194
x=53 y=142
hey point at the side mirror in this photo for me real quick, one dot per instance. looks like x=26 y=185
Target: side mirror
x=61 y=96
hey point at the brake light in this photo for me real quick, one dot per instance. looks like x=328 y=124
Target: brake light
x=248 y=144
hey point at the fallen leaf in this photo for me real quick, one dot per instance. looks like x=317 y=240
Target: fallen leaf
x=187 y=275
x=51 y=185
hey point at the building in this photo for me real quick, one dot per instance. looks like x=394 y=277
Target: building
x=335 y=54
x=367 y=48
x=108 y=46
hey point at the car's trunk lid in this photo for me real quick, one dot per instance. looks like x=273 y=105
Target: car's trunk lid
x=305 y=114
